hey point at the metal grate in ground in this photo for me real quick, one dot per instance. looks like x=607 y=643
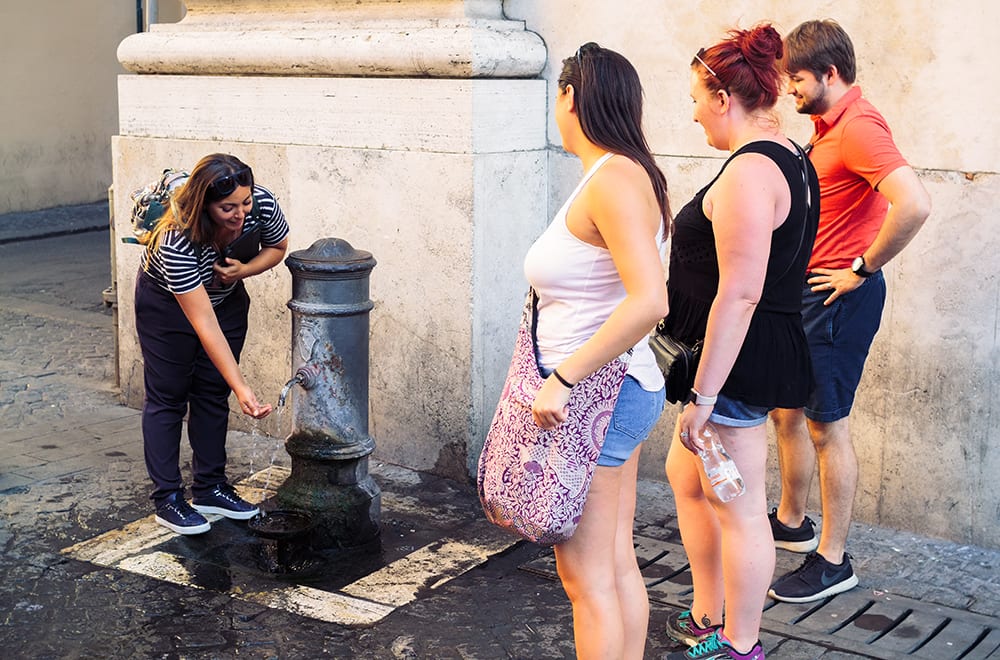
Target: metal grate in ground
x=861 y=622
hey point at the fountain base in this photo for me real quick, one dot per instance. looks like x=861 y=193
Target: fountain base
x=340 y=495
x=285 y=547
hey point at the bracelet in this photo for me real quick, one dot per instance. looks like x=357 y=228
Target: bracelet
x=566 y=384
x=701 y=400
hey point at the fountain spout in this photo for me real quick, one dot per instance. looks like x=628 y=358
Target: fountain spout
x=288 y=386
x=306 y=376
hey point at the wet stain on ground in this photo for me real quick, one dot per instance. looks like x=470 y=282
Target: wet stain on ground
x=876 y=622
x=300 y=565
x=211 y=577
x=907 y=632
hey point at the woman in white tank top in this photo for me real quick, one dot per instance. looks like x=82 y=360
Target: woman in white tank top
x=598 y=273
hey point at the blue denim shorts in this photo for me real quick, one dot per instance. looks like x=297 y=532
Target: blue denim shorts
x=636 y=412
x=730 y=412
x=840 y=335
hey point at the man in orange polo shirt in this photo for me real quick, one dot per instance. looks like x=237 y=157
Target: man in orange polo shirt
x=871 y=206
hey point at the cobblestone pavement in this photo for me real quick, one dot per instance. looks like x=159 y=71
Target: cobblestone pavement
x=71 y=469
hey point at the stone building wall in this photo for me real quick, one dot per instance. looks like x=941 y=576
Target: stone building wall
x=419 y=130
x=60 y=108
x=923 y=424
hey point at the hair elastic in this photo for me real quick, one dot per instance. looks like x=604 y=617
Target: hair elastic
x=555 y=372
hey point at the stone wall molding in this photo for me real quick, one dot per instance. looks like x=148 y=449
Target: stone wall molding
x=370 y=38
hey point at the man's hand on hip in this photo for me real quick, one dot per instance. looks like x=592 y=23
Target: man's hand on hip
x=836 y=281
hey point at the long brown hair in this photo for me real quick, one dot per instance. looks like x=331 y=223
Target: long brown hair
x=187 y=213
x=608 y=98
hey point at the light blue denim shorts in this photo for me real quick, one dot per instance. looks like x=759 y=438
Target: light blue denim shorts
x=635 y=414
x=730 y=412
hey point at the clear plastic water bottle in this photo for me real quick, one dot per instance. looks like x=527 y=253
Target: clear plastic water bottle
x=719 y=466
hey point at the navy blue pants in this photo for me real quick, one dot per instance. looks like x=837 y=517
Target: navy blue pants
x=181 y=380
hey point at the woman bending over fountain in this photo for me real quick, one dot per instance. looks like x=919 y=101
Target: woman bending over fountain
x=191 y=316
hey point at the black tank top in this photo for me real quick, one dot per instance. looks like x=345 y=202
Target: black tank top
x=773 y=368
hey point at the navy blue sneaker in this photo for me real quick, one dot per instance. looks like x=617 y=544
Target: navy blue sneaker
x=817 y=578
x=223 y=500
x=795 y=539
x=176 y=514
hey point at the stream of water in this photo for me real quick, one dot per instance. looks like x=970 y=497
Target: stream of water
x=264 y=448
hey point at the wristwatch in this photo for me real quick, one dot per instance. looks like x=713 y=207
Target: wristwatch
x=858 y=267
x=699 y=399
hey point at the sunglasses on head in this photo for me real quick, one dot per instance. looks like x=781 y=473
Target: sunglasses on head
x=583 y=50
x=698 y=56
x=225 y=185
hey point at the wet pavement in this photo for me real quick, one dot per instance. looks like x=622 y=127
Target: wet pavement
x=87 y=574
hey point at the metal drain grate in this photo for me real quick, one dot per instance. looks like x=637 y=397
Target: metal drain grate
x=874 y=625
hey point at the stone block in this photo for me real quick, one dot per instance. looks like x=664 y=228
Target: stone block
x=448 y=221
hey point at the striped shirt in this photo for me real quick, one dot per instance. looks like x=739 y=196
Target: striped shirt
x=179 y=266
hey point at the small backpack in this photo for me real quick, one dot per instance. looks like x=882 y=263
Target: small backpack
x=150 y=202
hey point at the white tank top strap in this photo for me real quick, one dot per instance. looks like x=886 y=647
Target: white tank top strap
x=586 y=177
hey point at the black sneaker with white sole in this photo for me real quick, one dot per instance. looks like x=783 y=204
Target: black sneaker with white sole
x=795 y=539
x=224 y=501
x=815 y=579
x=174 y=513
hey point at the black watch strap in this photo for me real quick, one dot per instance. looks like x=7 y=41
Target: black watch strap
x=858 y=267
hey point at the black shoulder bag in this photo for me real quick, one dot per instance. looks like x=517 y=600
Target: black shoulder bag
x=677 y=361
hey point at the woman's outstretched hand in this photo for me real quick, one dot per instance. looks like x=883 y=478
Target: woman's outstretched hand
x=250 y=406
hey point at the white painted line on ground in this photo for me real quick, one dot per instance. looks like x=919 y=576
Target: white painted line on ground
x=364 y=602
x=429 y=567
x=159 y=565
x=112 y=547
x=329 y=606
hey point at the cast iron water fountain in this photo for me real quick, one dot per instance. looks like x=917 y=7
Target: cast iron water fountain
x=329 y=501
